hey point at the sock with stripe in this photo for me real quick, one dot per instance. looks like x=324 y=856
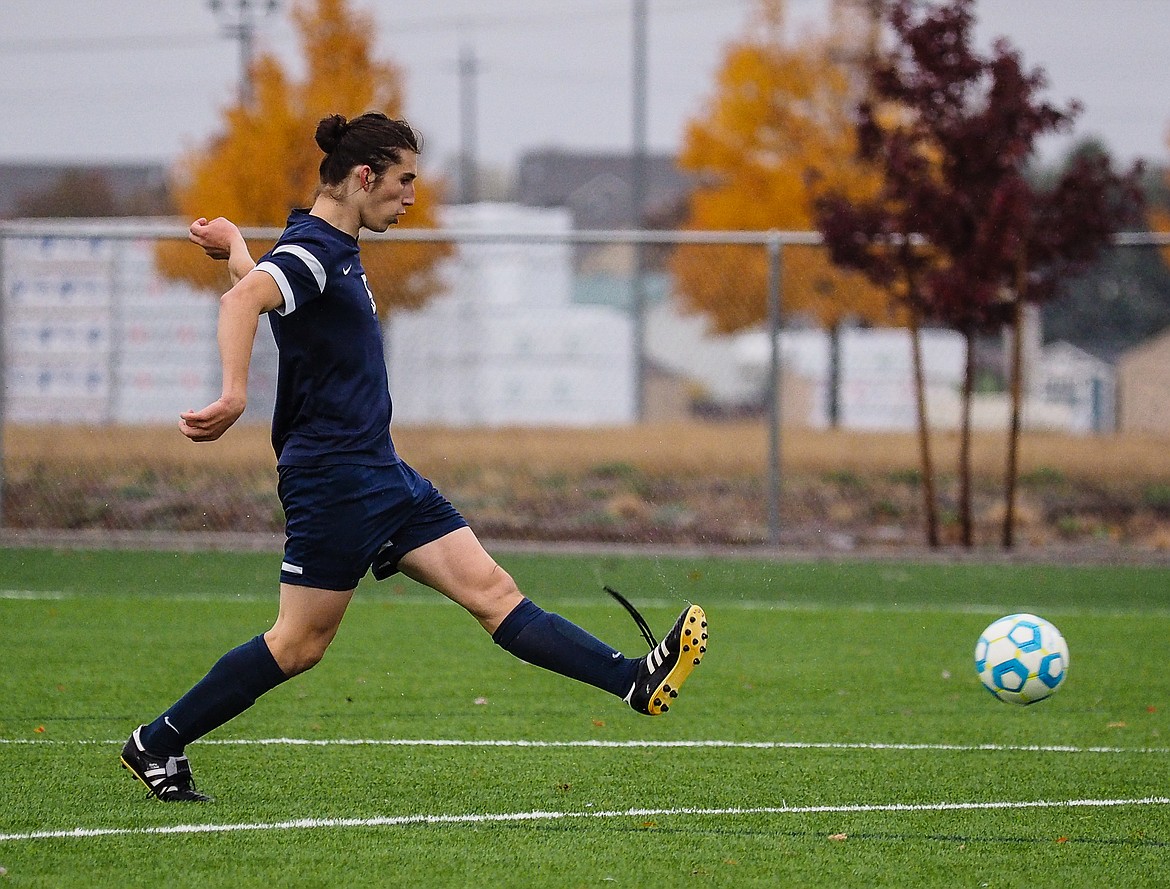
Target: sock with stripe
x=549 y=641
x=229 y=688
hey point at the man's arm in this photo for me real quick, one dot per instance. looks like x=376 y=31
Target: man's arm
x=239 y=312
x=221 y=239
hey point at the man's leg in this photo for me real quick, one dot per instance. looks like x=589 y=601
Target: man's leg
x=458 y=567
x=305 y=625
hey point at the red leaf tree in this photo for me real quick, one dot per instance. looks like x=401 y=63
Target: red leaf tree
x=958 y=229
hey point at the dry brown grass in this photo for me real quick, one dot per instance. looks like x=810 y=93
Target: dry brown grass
x=120 y=447
x=687 y=483
x=715 y=449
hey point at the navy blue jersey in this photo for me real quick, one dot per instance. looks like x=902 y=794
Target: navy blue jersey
x=332 y=399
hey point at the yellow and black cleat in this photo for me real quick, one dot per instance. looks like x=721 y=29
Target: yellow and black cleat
x=664 y=670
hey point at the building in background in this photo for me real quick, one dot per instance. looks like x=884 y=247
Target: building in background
x=505 y=344
x=596 y=187
x=1066 y=389
x=525 y=334
x=876 y=376
x=94 y=335
x=1076 y=391
x=82 y=190
x=1144 y=387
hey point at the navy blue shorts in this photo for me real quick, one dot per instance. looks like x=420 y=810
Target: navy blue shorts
x=337 y=518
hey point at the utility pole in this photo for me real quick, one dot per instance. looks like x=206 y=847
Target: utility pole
x=856 y=26
x=239 y=19
x=4 y=254
x=638 y=205
x=468 y=133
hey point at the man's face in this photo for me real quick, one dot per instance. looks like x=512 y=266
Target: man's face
x=390 y=194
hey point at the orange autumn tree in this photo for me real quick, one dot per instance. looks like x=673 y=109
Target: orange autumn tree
x=264 y=161
x=1159 y=212
x=778 y=131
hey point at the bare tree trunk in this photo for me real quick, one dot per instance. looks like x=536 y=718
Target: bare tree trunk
x=967 y=534
x=835 y=376
x=928 y=500
x=1017 y=396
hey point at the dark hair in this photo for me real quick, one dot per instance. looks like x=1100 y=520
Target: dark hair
x=373 y=139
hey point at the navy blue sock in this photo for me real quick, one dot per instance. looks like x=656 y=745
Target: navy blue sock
x=229 y=688
x=548 y=640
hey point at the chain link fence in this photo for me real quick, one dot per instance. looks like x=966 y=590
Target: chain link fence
x=555 y=384
x=541 y=351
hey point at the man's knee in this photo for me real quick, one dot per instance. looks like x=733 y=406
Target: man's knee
x=492 y=596
x=296 y=654
x=501 y=584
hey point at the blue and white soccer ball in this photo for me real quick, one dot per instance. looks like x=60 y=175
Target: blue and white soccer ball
x=1021 y=658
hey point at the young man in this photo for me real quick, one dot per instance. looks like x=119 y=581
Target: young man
x=350 y=502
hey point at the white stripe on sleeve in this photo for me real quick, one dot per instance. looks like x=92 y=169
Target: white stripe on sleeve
x=311 y=262
x=290 y=301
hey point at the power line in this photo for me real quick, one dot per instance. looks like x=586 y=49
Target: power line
x=154 y=42
x=119 y=43
x=565 y=16
x=240 y=20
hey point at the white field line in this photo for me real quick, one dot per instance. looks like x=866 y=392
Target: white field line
x=34 y=595
x=504 y=817
x=779 y=605
x=624 y=745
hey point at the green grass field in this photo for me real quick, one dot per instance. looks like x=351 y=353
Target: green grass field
x=836 y=734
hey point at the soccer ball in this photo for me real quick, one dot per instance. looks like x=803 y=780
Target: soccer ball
x=1021 y=658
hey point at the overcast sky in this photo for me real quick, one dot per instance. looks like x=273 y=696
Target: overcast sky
x=143 y=79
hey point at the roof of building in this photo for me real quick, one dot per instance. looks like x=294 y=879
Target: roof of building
x=1157 y=346
x=126 y=182
x=597 y=186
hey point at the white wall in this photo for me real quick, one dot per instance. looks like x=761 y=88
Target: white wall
x=94 y=335
x=505 y=345
x=1070 y=390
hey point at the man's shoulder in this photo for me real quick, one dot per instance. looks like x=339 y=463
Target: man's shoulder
x=310 y=232
x=311 y=239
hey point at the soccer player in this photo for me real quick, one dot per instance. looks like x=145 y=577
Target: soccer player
x=350 y=502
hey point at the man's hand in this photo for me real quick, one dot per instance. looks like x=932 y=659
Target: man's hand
x=213 y=421
x=221 y=239
x=216 y=237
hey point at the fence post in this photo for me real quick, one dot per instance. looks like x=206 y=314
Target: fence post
x=638 y=307
x=3 y=365
x=775 y=270
x=115 y=326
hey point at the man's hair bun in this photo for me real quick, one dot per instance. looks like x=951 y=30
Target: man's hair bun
x=330 y=132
